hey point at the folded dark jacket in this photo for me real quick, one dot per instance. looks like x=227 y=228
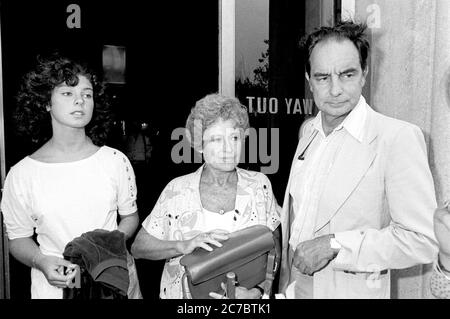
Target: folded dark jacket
x=102 y=255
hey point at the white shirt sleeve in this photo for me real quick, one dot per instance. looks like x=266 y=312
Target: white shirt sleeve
x=156 y=223
x=272 y=208
x=15 y=208
x=127 y=191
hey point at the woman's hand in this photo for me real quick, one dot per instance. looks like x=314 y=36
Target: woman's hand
x=204 y=240
x=442 y=232
x=53 y=269
x=240 y=292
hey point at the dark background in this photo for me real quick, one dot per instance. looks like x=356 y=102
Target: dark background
x=171 y=61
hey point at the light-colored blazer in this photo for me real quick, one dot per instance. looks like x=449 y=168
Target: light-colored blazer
x=379 y=201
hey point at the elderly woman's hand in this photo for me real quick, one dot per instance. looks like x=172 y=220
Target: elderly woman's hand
x=442 y=232
x=240 y=293
x=204 y=240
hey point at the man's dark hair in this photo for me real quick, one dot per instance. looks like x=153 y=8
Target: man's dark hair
x=355 y=32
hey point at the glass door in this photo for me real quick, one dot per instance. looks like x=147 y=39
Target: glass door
x=270 y=78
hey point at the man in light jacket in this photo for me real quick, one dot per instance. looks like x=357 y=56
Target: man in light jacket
x=360 y=197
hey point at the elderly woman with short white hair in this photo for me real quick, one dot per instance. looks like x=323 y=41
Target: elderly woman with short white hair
x=217 y=199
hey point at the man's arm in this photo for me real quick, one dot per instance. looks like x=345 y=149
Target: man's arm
x=409 y=239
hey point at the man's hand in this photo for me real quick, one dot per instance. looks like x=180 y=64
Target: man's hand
x=313 y=255
x=442 y=232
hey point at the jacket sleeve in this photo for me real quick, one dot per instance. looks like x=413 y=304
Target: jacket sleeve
x=409 y=189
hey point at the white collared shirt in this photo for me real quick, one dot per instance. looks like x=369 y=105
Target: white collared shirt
x=310 y=174
x=353 y=123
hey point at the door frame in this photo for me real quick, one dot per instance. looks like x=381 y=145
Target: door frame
x=4 y=254
x=227 y=14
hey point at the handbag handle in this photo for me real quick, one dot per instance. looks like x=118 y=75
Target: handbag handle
x=231 y=285
x=271 y=268
x=185 y=288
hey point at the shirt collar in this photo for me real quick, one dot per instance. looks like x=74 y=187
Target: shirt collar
x=353 y=123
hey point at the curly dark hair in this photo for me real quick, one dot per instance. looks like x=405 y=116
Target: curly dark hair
x=355 y=32
x=31 y=116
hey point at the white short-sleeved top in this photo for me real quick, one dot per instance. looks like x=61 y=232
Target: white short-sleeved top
x=179 y=215
x=63 y=200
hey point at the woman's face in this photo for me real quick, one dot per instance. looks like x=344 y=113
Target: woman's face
x=72 y=106
x=222 y=145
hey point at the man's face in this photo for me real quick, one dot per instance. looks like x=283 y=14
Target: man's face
x=336 y=78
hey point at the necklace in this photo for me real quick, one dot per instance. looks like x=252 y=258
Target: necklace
x=216 y=191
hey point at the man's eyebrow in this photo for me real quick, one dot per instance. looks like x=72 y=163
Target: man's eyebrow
x=349 y=70
x=319 y=74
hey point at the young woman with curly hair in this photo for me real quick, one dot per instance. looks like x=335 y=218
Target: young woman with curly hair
x=72 y=184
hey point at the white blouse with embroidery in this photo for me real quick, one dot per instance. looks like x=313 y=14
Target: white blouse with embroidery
x=179 y=215
x=63 y=200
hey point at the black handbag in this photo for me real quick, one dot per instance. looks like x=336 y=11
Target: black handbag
x=248 y=257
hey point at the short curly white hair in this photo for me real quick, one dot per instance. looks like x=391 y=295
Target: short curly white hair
x=210 y=109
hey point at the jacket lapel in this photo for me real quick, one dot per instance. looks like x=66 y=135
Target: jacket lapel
x=352 y=163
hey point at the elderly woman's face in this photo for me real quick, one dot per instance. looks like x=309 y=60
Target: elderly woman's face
x=222 y=144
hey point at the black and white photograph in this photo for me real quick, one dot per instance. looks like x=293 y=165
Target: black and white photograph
x=242 y=154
